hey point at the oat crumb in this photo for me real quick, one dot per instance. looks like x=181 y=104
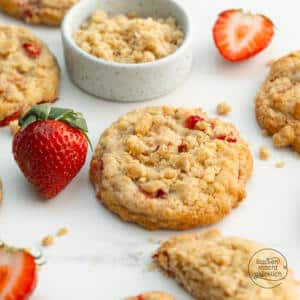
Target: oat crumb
x=223 y=109
x=39 y=268
x=264 y=132
x=48 y=241
x=62 y=232
x=280 y=164
x=152 y=267
x=14 y=127
x=264 y=153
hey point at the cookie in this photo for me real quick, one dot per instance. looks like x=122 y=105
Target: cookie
x=152 y=296
x=48 y=12
x=29 y=73
x=212 y=267
x=165 y=167
x=278 y=102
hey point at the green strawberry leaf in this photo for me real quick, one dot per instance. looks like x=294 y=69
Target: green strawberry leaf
x=43 y=112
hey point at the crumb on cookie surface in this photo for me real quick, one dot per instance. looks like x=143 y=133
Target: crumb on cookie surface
x=128 y=39
x=48 y=241
x=223 y=109
x=264 y=153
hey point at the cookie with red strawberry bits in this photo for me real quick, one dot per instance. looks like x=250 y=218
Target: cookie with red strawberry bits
x=29 y=73
x=48 y=12
x=166 y=167
x=152 y=296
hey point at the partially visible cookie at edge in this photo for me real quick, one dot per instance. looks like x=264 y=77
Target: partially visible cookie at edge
x=176 y=168
x=47 y=12
x=29 y=73
x=278 y=102
x=212 y=267
x=153 y=295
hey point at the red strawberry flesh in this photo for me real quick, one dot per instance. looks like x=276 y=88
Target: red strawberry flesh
x=191 y=121
x=32 y=50
x=239 y=35
x=18 y=274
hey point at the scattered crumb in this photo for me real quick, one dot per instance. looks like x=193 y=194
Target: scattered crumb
x=223 y=109
x=39 y=268
x=264 y=132
x=1 y=191
x=264 y=153
x=152 y=267
x=48 y=241
x=14 y=127
x=62 y=232
x=280 y=164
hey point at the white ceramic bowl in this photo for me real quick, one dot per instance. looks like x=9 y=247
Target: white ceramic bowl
x=126 y=82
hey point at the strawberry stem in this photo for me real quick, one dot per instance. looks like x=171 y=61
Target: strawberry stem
x=43 y=112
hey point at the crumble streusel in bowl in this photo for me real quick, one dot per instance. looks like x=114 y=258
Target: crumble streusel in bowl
x=127 y=50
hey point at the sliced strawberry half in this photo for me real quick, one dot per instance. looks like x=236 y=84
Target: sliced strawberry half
x=17 y=274
x=239 y=35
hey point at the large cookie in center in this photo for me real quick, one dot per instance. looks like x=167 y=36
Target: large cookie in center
x=165 y=167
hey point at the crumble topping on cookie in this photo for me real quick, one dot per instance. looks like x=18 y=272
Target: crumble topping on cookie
x=165 y=167
x=29 y=73
x=128 y=39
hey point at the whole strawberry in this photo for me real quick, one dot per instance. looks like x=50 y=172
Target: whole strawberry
x=51 y=147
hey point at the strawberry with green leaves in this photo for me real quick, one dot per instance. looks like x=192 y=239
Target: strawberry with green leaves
x=18 y=274
x=51 y=147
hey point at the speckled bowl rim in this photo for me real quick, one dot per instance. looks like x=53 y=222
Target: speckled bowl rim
x=67 y=35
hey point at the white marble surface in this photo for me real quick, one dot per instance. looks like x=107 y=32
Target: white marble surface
x=103 y=258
